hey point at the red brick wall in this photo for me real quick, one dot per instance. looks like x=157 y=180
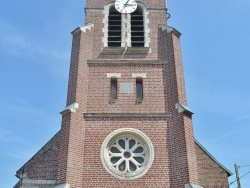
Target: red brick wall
x=211 y=175
x=43 y=164
x=94 y=174
x=70 y=157
x=172 y=137
x=182 y=153
x=99 y=88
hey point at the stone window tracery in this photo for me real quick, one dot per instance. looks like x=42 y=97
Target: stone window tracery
x=127 y=153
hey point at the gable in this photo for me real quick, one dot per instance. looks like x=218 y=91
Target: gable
x=210 y=171
x=43 y=164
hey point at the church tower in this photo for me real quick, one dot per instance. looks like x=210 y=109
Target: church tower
x=126 y=123
x=121 y=127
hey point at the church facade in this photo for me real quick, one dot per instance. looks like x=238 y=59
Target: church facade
x=126 y=122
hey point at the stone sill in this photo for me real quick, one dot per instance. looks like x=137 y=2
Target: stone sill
x=138 y=101
x=137 y=50
x=112 y=101
x=121 y=50
x=112 y=50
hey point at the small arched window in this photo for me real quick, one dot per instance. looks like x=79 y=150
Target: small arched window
x=137 y=28
x=114 y=28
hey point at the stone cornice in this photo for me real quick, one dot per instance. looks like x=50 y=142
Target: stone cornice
x=83 y=28
x=130 y=115
x=71 y=108
x=157 y=10
x=148 y=9
x=169 y=30
x=125 y=61
x=183 y=109
x=124 y=50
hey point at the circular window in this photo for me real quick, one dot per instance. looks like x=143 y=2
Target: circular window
x=127 y=153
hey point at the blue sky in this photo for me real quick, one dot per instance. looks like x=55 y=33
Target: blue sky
x=35 y=49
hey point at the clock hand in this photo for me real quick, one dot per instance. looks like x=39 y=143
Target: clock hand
x=126 y=3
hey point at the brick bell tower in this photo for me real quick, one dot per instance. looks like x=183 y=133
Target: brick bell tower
x=126 y=124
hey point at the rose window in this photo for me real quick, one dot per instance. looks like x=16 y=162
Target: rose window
x=127 y=153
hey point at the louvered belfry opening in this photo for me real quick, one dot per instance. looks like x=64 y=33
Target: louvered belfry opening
x=114 y=28
x=137 y=28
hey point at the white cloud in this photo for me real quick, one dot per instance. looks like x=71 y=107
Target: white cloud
x=19 y=44
x=20 y=109
x=12 y=144
x=7 y=136
x=19 y=120
x=18 y=152
x=221 y=137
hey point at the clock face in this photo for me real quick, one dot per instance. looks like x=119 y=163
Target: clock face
x=125 y=6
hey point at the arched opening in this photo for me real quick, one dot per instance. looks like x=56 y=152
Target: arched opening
x=114 y=28
x=137 y=28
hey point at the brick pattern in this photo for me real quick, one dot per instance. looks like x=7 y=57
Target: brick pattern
x=181 y=92
x=176 y=90
x=160 y=90
x=63 y=149
x=96 y=131
x=99 y=89
x=43 y=164
x=191 y=153
x=73 y=69
x=182 y=154
x=211 y=175
x=70 y=157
